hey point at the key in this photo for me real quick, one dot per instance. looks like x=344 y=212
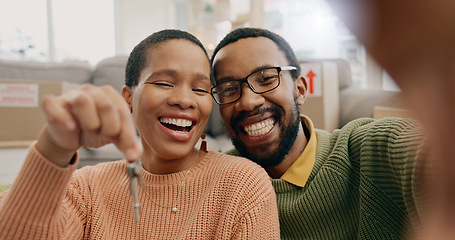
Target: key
x=134 y=169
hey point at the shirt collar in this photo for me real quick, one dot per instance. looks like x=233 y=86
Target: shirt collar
x=299 y=172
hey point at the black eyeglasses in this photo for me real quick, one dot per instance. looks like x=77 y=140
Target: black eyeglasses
x=260 y=81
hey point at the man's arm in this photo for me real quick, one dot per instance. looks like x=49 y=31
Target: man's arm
x=414 y=41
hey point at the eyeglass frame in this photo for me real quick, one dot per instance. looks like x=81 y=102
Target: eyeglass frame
x=245 y=80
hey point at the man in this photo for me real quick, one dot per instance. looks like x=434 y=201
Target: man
x=357 y=182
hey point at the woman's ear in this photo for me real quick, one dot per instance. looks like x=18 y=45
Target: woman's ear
x=301 y=87
x=127 y=93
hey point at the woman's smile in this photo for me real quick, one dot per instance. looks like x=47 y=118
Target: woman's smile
x=177 y=124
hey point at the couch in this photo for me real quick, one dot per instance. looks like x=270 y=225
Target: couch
x=354 y=102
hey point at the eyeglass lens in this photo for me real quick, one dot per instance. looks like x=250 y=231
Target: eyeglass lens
x=259 y=82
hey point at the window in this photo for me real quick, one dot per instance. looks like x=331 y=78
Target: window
x=314 y=31
x=83 y=29
x=57 y=30
x=310 y=27
x=23 y=29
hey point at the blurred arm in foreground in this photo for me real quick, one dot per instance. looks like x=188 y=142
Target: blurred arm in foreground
x=414 y=40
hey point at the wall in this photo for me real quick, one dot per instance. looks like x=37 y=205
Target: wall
x=137 y=19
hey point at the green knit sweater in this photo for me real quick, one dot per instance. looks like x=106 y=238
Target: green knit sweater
x=361 y=186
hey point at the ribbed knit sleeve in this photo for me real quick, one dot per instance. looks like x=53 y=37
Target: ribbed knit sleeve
x=390 y=154
x=31 y=208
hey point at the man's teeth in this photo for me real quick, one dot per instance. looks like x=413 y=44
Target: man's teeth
x=260 y=128
x=177 y=122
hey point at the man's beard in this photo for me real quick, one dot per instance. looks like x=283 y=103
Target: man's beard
x=289 y=131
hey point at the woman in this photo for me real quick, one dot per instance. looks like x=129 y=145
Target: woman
x=185 y=192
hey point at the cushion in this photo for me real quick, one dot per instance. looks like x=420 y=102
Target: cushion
x=110 y=71
x=356 y=102
x=70 y=71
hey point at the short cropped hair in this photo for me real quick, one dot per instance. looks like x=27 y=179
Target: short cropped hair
x=138 y=56
x=241 y=33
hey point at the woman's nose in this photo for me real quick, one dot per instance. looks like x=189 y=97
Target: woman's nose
x=183 y=97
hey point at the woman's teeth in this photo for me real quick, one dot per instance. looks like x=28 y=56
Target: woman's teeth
x=260 y=128
x=177 y=124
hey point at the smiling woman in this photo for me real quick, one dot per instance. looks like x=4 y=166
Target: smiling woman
x=174 y=90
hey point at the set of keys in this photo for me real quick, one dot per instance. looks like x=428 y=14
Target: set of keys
x=134 y=172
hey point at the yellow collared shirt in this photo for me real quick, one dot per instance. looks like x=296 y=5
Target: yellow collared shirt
x=300 y=170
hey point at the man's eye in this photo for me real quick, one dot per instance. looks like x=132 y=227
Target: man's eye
x=267 y=80
x=229 y=91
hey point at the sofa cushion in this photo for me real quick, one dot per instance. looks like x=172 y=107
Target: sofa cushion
x=69 y=71
x=356 y=102
x=110 y=71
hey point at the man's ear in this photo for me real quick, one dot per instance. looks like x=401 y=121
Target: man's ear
x=127 y=93
x=301 y=87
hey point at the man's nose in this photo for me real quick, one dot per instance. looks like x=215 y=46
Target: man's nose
x=249 y=99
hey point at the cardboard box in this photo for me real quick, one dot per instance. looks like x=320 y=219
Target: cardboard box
x=20 y=109
x=382 y=112
x=322 y=104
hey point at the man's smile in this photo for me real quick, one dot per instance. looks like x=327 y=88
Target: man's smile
x=260 y=128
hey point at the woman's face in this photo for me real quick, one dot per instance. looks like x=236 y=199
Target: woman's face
x=172 y=103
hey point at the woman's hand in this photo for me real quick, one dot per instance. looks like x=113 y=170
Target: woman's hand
x=89 y=116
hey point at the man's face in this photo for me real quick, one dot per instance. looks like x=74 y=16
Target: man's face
x=263 y=127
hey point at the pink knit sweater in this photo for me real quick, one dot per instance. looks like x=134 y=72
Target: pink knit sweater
x=222 y=197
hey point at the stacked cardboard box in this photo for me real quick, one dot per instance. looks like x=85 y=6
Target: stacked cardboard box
x=21 y=117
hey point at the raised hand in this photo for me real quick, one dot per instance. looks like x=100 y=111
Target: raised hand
x=89 y=116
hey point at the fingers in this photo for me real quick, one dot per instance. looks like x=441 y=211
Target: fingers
x=81 y=104
x=127 y=141
x=122 y=130
x=96 y=110
x=57 y=140
x=114 y=120
x=99 y=115
x=104 y=107
x=57 y=114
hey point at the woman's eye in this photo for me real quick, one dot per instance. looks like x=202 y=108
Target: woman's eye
x=162 y=84
x=201 y=90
